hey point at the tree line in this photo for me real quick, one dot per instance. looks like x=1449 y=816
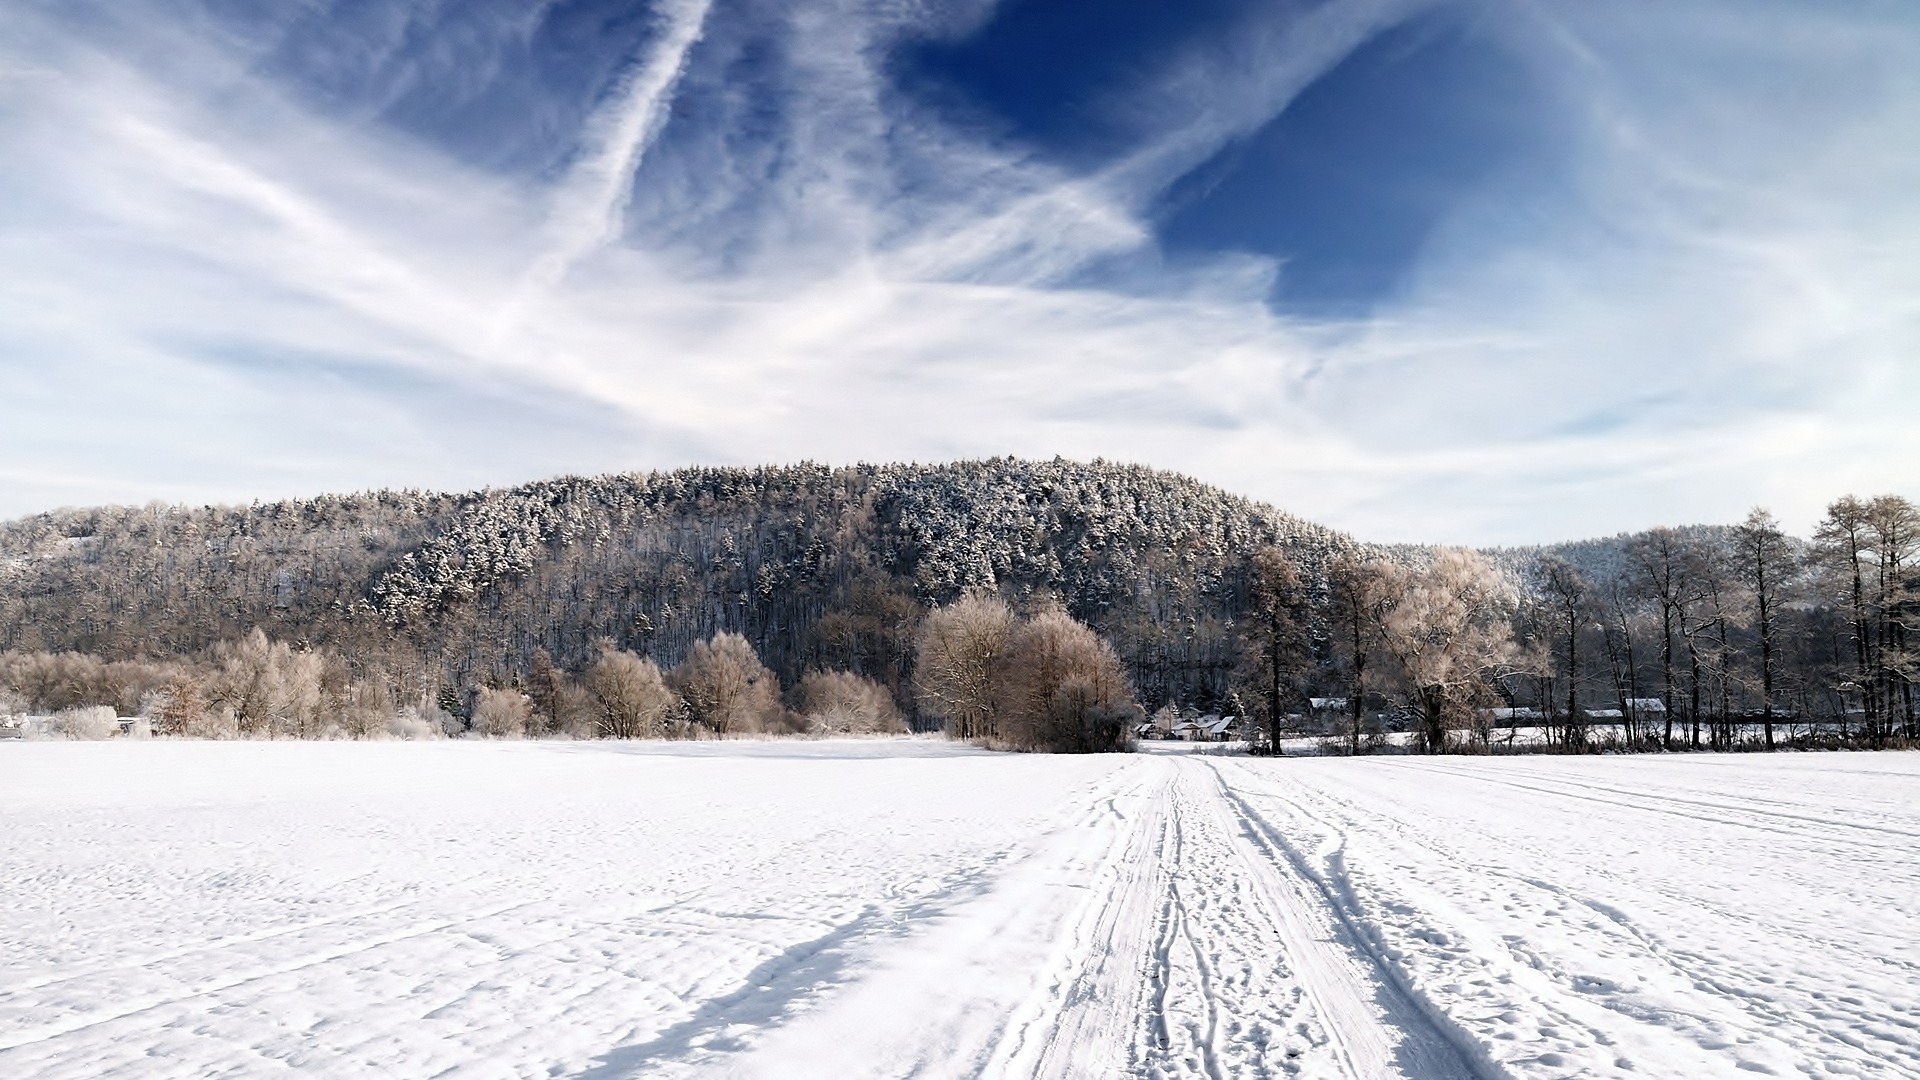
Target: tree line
x=1675 y=638
x=721 y=601
x=1043 y=681
x=818 y=568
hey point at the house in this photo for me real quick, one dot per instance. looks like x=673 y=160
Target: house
x=1219 y=728
x=1524 y=714
x=1646 y=706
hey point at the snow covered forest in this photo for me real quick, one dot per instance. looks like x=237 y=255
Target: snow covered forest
x=864 y=599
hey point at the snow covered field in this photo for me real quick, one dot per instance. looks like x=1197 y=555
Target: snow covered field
x=903 y=908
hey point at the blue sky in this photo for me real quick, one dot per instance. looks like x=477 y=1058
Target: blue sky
x=1485 y=271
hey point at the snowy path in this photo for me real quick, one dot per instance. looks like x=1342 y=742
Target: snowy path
x=910 y=908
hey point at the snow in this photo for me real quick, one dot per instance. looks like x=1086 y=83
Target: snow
x=907 y=907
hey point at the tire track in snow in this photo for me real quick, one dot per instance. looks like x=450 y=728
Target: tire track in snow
x=1080 y=1019
x=125 y=1010
x=1385 y=1027
x=1254 y=972
x=1575 y=998
x=1653 y=802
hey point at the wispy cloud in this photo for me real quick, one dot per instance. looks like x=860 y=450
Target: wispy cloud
x=590 y=203
x=215 y=284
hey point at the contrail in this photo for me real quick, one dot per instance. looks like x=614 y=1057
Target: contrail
x=592 y=199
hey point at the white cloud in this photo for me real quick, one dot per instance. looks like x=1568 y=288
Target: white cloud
x=210 y=291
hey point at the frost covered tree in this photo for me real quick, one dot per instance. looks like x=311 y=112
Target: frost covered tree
x=501 y=713
x=1896 y=541
x=727 y=689
x=1843 y=548
x=632 y=698
x=1450 y=633
x=1065 y=690
x=842 y=703
x=1767 y=564
x=959 y=663
x=269 y=688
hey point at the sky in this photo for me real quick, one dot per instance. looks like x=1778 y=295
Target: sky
x=1463 y=271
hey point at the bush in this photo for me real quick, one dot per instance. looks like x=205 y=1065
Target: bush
x=502 y=714
x=409 y=723
x=728 y=690
x=632 y=699
x=87 y=722
x=436 y=717
x=1065 y=690
x=842 y=703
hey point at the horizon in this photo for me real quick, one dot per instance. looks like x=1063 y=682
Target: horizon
x=1473 y=272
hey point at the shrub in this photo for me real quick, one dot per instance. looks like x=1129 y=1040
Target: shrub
x=502 y=714
x=86 y=722
x=631 y=698
x=842 y=703
x=728 y=690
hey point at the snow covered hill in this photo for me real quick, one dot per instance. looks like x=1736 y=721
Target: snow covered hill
x=913 y=908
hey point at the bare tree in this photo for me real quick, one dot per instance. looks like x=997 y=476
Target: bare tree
x=1274 y=632
x=1451 y=634
x=1843 y=546
x=1767 y=565
x=842 y=703
x=1896 y=540
x=1065 y=689
x=727 y=689
x=1662 y=565
x=1360 y=591
x=1714 y=568
x=1570 y=597
x=958 y=663
x=631 y=697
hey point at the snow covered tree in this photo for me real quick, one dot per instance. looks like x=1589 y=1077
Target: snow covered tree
x=959 y=658
x=842 y=703
x=270 y=688
x=1449 y=630
x=1065 y=690
x=632 y=698
x=1896 y=541
x=1767 y=564
x=727 y=689
x=501 y=713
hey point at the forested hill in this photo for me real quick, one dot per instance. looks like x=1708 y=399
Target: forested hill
x=817 y=566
